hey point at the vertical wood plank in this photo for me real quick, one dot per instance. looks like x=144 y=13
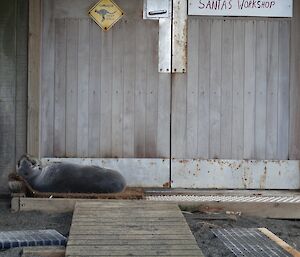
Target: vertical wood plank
x=129 y=85
x=261 y=89
x=164 y=122
x=294 y=148
x=249 y=91
x=142 y=46
x=178 y=125
x=272 y=91
x=94 y=91
x=117 y=91
x=71 y=87
x=203 y=84
x=34 y=68
x=151 y=93
x=226 y=95
x=215 y=89
x=60 y=88
x=8 y=58
x=47 y=87
x=21 y=77
x=83 y=87
x=192 y=90
x=283 y=90
x=238 y=90
x=106 y=94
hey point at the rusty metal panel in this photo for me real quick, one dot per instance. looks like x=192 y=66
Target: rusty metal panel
x=137 y=172
x=179 y=37
x=235 y=174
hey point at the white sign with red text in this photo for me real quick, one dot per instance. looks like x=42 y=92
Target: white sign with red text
x=260 y=8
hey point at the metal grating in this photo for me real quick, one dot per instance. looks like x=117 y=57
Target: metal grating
x=249 y=242
x=49 y=237
x=213 y=198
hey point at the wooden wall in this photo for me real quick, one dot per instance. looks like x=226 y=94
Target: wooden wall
x=295 y=84
x=234 y=102
x=13 y=85
x=238 y=100
x=101 y=94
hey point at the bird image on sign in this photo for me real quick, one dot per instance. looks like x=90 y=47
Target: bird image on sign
x=106 y=13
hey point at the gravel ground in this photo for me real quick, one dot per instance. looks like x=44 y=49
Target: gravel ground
x=201 y=225
x=30 y=220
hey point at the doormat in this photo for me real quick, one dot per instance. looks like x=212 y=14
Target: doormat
x=130 y=193
x=49 y=237
x=249 y=242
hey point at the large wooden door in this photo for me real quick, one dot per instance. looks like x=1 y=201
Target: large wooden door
x=231 y=111
x=101 y=93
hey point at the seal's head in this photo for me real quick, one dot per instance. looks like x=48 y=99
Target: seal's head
x=27 y=167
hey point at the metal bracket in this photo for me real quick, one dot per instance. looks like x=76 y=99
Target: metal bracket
x=168 y=13
x=157 y=9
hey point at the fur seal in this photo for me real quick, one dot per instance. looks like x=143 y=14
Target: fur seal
x=69 y=178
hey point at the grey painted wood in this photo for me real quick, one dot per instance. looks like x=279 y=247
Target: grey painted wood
x=60 y=88
x=249 y=89
x=272 y=91
x=109 y=99
x=117 y=90
x=7 y=89
x=71 y=87
x=83 y=87
x=140 y=91
x=129 y=85
x=203 y=64
x=94 y=91
x=261 y=88
x=13 y=86
x=294 y=139
x=226 y=89
x=47 y=80
x=34 y=75
x=152 y=90
x=215 y=89
x=106 y=94
x=283 y=90
x=21 y=77
x=238 y=90
x=240 y=69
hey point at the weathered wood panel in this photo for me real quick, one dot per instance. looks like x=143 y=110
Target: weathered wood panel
x=101 y=93
x=240 y=70
x=13 y=86
x=143 y=229
x=294 y=139
x=34 y=68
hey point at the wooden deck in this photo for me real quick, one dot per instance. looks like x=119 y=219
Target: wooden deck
x=130 y=228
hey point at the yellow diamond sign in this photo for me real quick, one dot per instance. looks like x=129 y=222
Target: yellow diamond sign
x=106 y=13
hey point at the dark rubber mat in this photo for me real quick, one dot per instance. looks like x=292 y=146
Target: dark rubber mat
x=249 y=242
x=12 y=239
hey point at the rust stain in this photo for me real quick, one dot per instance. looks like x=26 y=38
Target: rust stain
x=184 y=161
x=263 y=178
x=167 y=185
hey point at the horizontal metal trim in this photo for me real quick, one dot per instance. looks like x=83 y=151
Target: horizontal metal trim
x=235 y=174
x=137 y=172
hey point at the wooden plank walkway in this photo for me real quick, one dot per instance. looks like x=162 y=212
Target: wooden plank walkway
x=130 y=228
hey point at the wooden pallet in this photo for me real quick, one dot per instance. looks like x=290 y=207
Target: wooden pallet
x=130 y=228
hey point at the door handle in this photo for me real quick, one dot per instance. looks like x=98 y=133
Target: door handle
x=157 y=12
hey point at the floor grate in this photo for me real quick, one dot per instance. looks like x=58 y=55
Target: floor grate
x=212 y=198
x=49 y=237
x=249 y=243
